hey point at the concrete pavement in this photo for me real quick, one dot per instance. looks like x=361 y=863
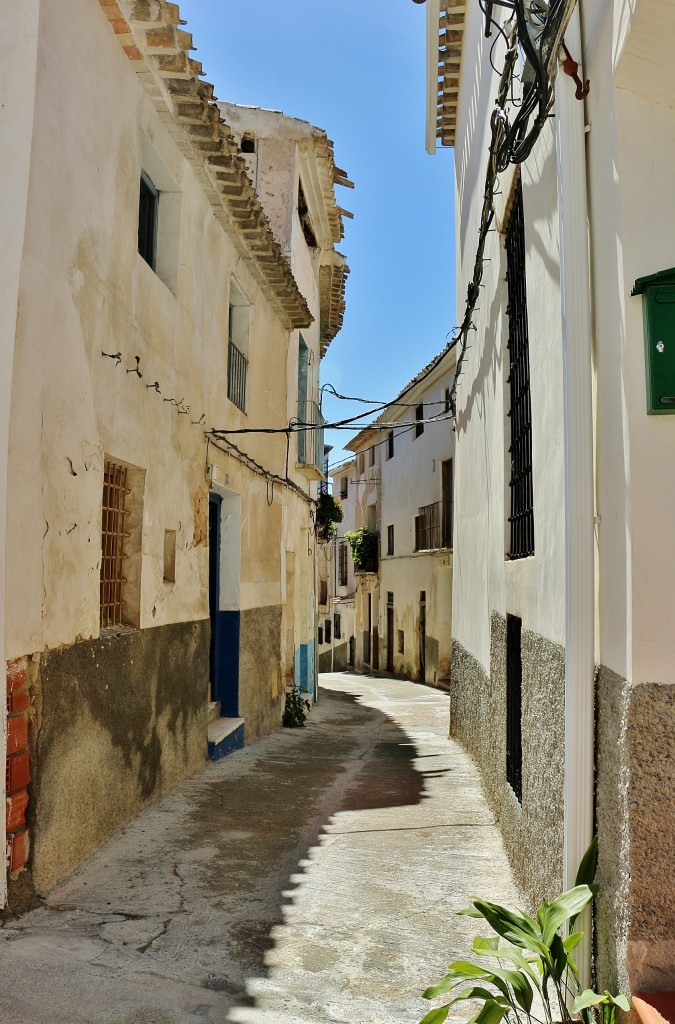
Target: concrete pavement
x=311 y=877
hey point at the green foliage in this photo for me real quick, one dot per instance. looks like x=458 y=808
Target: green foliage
x=527 y=962
x=295 y=709
x=365 y=549
x=328 y=515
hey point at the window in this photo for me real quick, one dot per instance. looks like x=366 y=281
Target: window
x=390 y=445
x=326 y=630
x=237 y=346
x=360 y=464
x=247 y=144
x=305 y=219
x=428 y=527
x=448 y=501
x=390 y=599
x=343 y=567
x=419 y=416
x=514 y=680
x=401 y=642
x=371 y=456
x=148 y=206
x=323 y=592
x=169 y=574
x=521 y=541
x=390 y=540
x=336 y=625
x=446 y=401
x=344 y=487
x=303 y=393
x=121 y=535
x=159 y=215
x=320 y=632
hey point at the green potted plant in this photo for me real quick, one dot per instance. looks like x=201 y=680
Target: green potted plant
x=526 y=969
x=365 y=549
x=328 y=515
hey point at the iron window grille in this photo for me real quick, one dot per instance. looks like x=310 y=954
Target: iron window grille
x=520 y=408
x=428 y=527
x=419 y=416
x=343 y=568
x=390 y=445
x=148 y=205
x=320 y=632
x=114 y=534
x=323 y=592
x=337 y=625
x=390 y=540
x=237 y=372
x=514 y=684
x=326 y=630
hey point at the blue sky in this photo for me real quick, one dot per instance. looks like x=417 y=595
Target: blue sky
x=356 y=69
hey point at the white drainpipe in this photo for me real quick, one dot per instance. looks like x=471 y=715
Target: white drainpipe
x=579 y=478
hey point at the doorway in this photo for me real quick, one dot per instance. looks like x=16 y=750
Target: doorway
x=224 y=570
x=390 y=632
x=423 y=633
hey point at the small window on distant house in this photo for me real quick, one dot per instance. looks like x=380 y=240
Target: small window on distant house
x=446 y=402
x=247 y=144
x=371 y=456
x=337 y=625
x=148 y=206
x=390 y=540
x=323 y=592
x=343 y=576
x=401 y=641
x=326 y=630
x=360 y=464
x=320 y=631
x=344 y=487
x=390 y=444
x=419 y=416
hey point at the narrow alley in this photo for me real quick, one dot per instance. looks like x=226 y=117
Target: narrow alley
x=310 y=877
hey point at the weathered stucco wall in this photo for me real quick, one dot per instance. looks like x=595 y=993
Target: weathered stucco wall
x=260 y=672
x=119 y=720
x=533 y=831
x=635 y=812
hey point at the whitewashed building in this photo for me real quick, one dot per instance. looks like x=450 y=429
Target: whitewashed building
x=159 y=576
x=404 y=493
x=336 y=623
x=563 y=659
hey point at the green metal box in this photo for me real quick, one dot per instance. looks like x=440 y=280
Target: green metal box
x=658 y=305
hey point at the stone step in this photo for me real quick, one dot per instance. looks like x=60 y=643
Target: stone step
x=214 y=710
x=224 y=736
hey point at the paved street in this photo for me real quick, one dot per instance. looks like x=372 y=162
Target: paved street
x=310 y=877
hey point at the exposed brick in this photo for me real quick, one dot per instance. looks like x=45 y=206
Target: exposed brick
x=18 y=772
x=133 y=53
x=15 y=812
x=17 y=674
x=19 y=848
x=17 y=734
x=17 y=702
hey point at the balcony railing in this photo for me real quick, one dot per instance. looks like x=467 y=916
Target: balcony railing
x=237 y=370
x=428 y=527
x=310 y=438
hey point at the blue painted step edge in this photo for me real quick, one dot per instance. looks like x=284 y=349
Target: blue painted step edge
x=220 y=748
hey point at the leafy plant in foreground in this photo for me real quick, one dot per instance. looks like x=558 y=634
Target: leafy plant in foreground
x=295 y=709
x=526 y=969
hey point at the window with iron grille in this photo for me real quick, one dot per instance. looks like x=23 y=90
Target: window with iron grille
x=521 y=518
x=446 y=401
x=343 y=567
x=390 y=540
x=419 y=416
x=514 y=682
x=237 y=347
x=114 y=535
x=337 y=625
x=326 y=630
x=428 y=527
x=390 y=444
x=323 y=592
x=320 y=632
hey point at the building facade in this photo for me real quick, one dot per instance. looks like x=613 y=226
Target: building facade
x=336 y=623
x=404 y=494
x=160 y=575
x=563 y=665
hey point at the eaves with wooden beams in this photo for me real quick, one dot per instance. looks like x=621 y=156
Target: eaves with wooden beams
x=445 y=34
x=150 y=33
